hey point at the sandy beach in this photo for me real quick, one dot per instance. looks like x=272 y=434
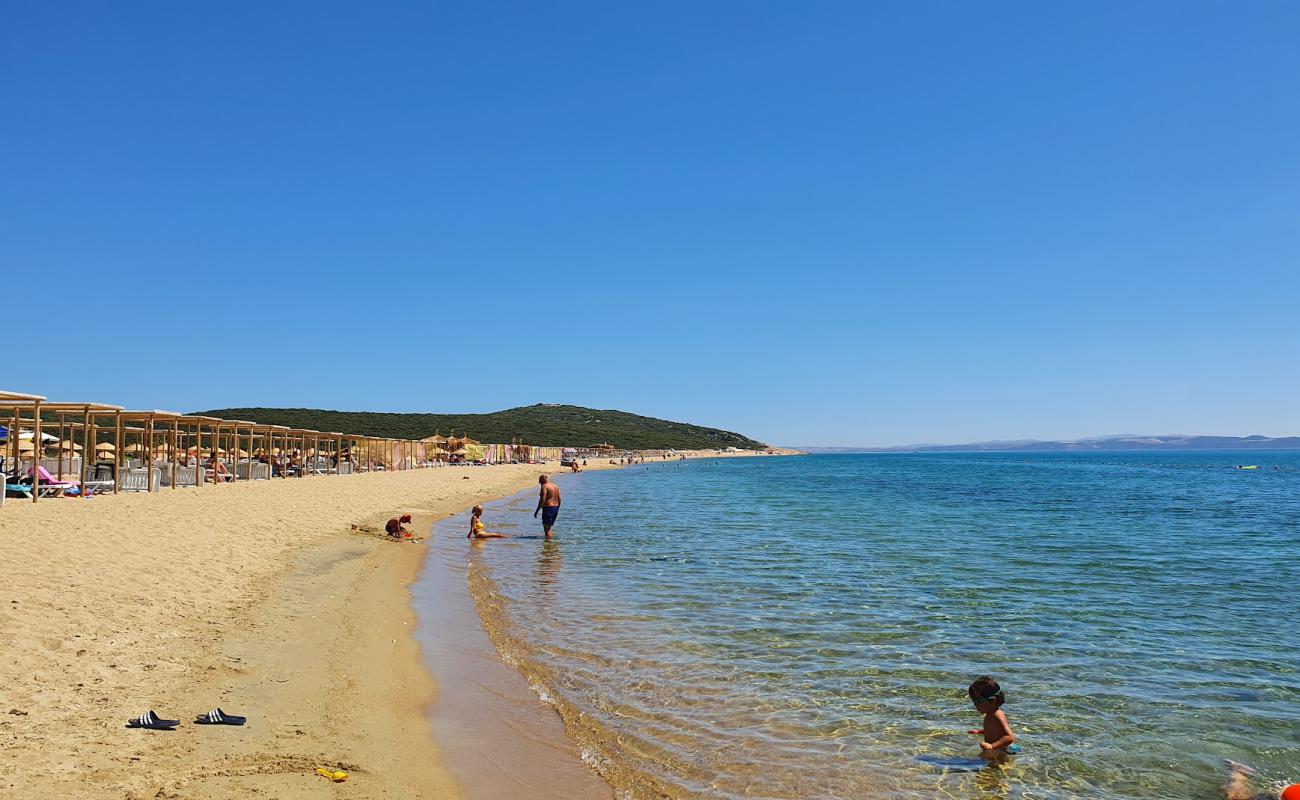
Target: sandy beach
x=258 y=598
x=254 y=597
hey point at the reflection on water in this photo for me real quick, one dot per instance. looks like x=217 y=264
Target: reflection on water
x=806 y=627
x=549 y=562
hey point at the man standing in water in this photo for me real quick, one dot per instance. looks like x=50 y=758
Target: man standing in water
x=548 y=504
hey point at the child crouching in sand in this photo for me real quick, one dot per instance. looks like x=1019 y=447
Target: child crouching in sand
x=988 y=699
x=394 y=527
x=476 y=530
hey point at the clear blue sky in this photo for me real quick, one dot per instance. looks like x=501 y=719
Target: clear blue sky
x=815 y=223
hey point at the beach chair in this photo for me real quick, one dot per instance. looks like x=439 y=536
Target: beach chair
x=49 y=486
x=134 y=480
x=187 y=476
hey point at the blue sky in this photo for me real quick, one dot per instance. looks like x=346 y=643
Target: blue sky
x=815 y=223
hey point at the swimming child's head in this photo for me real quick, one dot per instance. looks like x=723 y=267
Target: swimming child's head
x=986 y=694
x=478 y=511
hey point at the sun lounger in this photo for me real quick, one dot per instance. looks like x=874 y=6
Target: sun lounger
x=260 y=471
x=133 y=480
x=186 y=476
x=49 y=485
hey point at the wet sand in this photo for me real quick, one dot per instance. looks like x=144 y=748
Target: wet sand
x=497 y=738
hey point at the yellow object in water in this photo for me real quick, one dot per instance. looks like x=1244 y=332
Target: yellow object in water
x=1252 y=466
x=338 y=776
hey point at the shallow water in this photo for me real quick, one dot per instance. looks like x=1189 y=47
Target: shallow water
x=806 y=627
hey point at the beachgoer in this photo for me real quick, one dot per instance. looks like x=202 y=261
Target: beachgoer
x=988 y=699
x=1238 y=786
x=394 y=527
x=476 y=529
x=548 y=504
x=574 y=465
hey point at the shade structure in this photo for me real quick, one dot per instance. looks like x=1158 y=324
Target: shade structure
x=142 y=440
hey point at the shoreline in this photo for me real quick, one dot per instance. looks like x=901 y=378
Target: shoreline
x=498 y=738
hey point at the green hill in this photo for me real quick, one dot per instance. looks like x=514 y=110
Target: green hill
x=545 y=425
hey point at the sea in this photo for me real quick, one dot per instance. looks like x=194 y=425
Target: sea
x=806 y=627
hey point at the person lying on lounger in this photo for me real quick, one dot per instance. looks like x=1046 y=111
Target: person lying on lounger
x=219 y=471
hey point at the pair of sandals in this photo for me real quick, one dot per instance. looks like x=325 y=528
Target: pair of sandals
x=153 y=722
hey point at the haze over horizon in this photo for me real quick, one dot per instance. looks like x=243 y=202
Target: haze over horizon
x=837 y=225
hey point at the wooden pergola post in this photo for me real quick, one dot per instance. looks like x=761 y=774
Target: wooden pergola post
x=117 y=450
x=38 y=449
x=87 y=446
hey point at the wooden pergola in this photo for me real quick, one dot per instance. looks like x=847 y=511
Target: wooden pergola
x=181 y=440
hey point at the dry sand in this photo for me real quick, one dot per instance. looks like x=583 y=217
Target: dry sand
x=253 y=597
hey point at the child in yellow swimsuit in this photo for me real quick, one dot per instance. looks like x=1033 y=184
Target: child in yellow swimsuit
x=476 y=530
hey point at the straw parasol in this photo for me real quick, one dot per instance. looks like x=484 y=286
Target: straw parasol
x=69 y=446
x=105 y=446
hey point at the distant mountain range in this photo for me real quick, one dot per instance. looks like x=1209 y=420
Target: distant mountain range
x=1125 y=441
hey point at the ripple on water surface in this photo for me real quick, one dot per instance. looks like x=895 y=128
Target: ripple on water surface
x=805 y=627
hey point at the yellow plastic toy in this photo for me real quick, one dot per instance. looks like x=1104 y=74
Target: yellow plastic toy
x=337 y=776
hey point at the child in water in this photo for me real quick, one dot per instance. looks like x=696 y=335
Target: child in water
x=1238 y=786
x=988 y=699
x=476 y=530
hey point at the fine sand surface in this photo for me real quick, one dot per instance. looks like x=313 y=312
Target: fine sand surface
x=257 y=598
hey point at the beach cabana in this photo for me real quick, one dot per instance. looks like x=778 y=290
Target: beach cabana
x=69 y=418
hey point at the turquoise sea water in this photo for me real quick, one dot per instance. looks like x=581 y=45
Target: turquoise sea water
x=806 y=627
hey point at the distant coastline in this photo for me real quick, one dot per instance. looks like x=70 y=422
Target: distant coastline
x=1090 y=445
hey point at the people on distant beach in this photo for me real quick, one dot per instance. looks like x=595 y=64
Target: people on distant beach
x=394 y=527
x=476 y=528
x=574 y=465
x=548 y=504
x=988 y=698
